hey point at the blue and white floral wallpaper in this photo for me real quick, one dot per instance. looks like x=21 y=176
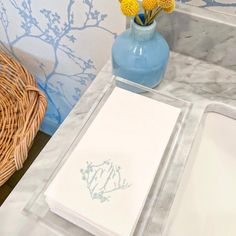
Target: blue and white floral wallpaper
x=222 y=6
x=63 y=43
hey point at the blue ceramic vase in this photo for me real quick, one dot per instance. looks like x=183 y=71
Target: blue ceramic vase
x=140 y=55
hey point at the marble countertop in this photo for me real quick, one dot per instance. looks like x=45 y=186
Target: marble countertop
x=187 y=78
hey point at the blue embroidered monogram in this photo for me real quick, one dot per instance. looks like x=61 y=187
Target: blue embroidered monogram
x=103 y=179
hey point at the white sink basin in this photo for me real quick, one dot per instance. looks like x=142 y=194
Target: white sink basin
x=205 y=203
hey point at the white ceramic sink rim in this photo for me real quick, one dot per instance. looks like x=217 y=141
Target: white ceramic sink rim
x=205 y=201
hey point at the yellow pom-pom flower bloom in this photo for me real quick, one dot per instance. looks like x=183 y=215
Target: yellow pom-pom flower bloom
x=149 y=5
x=166 y=4
x=130 y=7
x=170 y=9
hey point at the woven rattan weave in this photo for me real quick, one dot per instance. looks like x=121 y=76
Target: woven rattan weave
x=22 y=108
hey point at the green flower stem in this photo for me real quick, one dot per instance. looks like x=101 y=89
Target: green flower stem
x=151 y=19
x=145 y=16
x=149 y=15
x=139 y=21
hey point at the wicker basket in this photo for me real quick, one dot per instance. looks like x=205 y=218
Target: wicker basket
x=22 y=108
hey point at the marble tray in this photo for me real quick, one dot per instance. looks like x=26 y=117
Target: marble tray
x=205 y=200
x=37 y=207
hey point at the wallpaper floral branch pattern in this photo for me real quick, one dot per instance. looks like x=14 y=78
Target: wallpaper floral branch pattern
x=48 y=41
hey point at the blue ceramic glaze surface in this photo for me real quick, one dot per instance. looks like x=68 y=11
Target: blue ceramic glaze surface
x=140 y=55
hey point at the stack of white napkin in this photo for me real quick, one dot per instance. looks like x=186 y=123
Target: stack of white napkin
x=104 y=184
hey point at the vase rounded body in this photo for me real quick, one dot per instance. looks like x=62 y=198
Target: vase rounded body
x=140 y=55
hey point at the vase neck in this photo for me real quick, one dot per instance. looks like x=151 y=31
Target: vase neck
x=143 y=33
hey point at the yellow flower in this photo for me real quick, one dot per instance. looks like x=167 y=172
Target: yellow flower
x=130 y=7
x=170 y=9
x=149 y=4
x=166 y=4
